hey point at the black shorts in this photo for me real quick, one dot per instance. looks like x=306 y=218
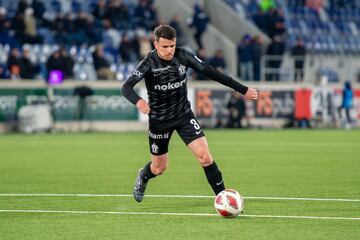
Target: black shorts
x=160 y=133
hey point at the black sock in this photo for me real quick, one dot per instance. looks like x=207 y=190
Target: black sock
x=214 y=178
x=146 y=173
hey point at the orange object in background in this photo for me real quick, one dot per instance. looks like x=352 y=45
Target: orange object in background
x=204 y=105
x=303 y=103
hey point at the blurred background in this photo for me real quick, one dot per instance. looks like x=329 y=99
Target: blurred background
x=63 y=62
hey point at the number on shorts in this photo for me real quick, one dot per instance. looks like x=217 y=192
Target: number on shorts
x=195 y=124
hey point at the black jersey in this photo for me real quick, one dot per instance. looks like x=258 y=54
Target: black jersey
x=166 y=83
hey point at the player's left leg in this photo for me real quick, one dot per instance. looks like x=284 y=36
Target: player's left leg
x=159 y=137
x=199 y=147
x=193 y=136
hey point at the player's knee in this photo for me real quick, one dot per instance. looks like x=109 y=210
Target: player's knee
x=205 y=158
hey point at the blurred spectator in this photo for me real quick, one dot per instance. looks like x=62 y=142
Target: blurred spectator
x=14 y=64
x=17 y=24
x=117 y=14
x=278 y=23
x=4 y=21
x=261 y=21
x=272 y=22
x=30 y=32
x=101 y=65
x=299 y=53
x=181 y=38
x=100 y=10
x=60 y=60
x=3 y=72
x=237 y=110
x=82 y=92
x=68 y=62
x=145 y=15
x=245 y=53
x=199 y=21
x=145 y=45
x=127 y=50
x=80 y=25
x=39 y=9
x=22 y=6
x=110 y=36
x=257 y=45
x=5 y=25
x=93 y=30
x=347 y=103
x=58 y=25
x=275 y=51
x=69 y=25
x=218 y=61
x=54 y=63
x=28 y=69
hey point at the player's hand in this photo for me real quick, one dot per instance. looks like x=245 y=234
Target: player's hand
x=251 y=94
x=143 y=106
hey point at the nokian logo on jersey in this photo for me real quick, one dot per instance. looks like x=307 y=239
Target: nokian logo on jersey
x=170 y=86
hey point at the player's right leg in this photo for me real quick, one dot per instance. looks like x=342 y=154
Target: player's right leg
x=152 y=169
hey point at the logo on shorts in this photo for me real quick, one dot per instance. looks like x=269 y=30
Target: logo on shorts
x=154 y=148
x=159 y=136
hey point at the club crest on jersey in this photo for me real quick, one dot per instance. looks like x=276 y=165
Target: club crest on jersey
x=154 y=148
x=137 y=73
x=182 y=69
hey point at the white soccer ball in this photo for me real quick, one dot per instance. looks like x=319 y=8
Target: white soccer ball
x=229 y=203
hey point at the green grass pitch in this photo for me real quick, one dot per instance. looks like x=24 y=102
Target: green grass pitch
x=321 y=164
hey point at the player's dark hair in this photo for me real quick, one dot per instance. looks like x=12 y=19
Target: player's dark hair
x=164 y=31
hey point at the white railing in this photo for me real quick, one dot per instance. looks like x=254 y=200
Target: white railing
x=282 y=68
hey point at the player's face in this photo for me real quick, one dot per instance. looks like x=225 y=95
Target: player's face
x=165 y=48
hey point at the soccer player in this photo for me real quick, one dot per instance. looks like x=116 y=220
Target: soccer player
x=164 y=70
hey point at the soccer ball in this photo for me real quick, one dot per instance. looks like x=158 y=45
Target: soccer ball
x=229 y=203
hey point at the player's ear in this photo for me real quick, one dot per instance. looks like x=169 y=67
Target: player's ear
x=156 y=44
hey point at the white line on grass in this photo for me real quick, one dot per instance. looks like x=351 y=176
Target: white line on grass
x=167 y=196
x=173 y=214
